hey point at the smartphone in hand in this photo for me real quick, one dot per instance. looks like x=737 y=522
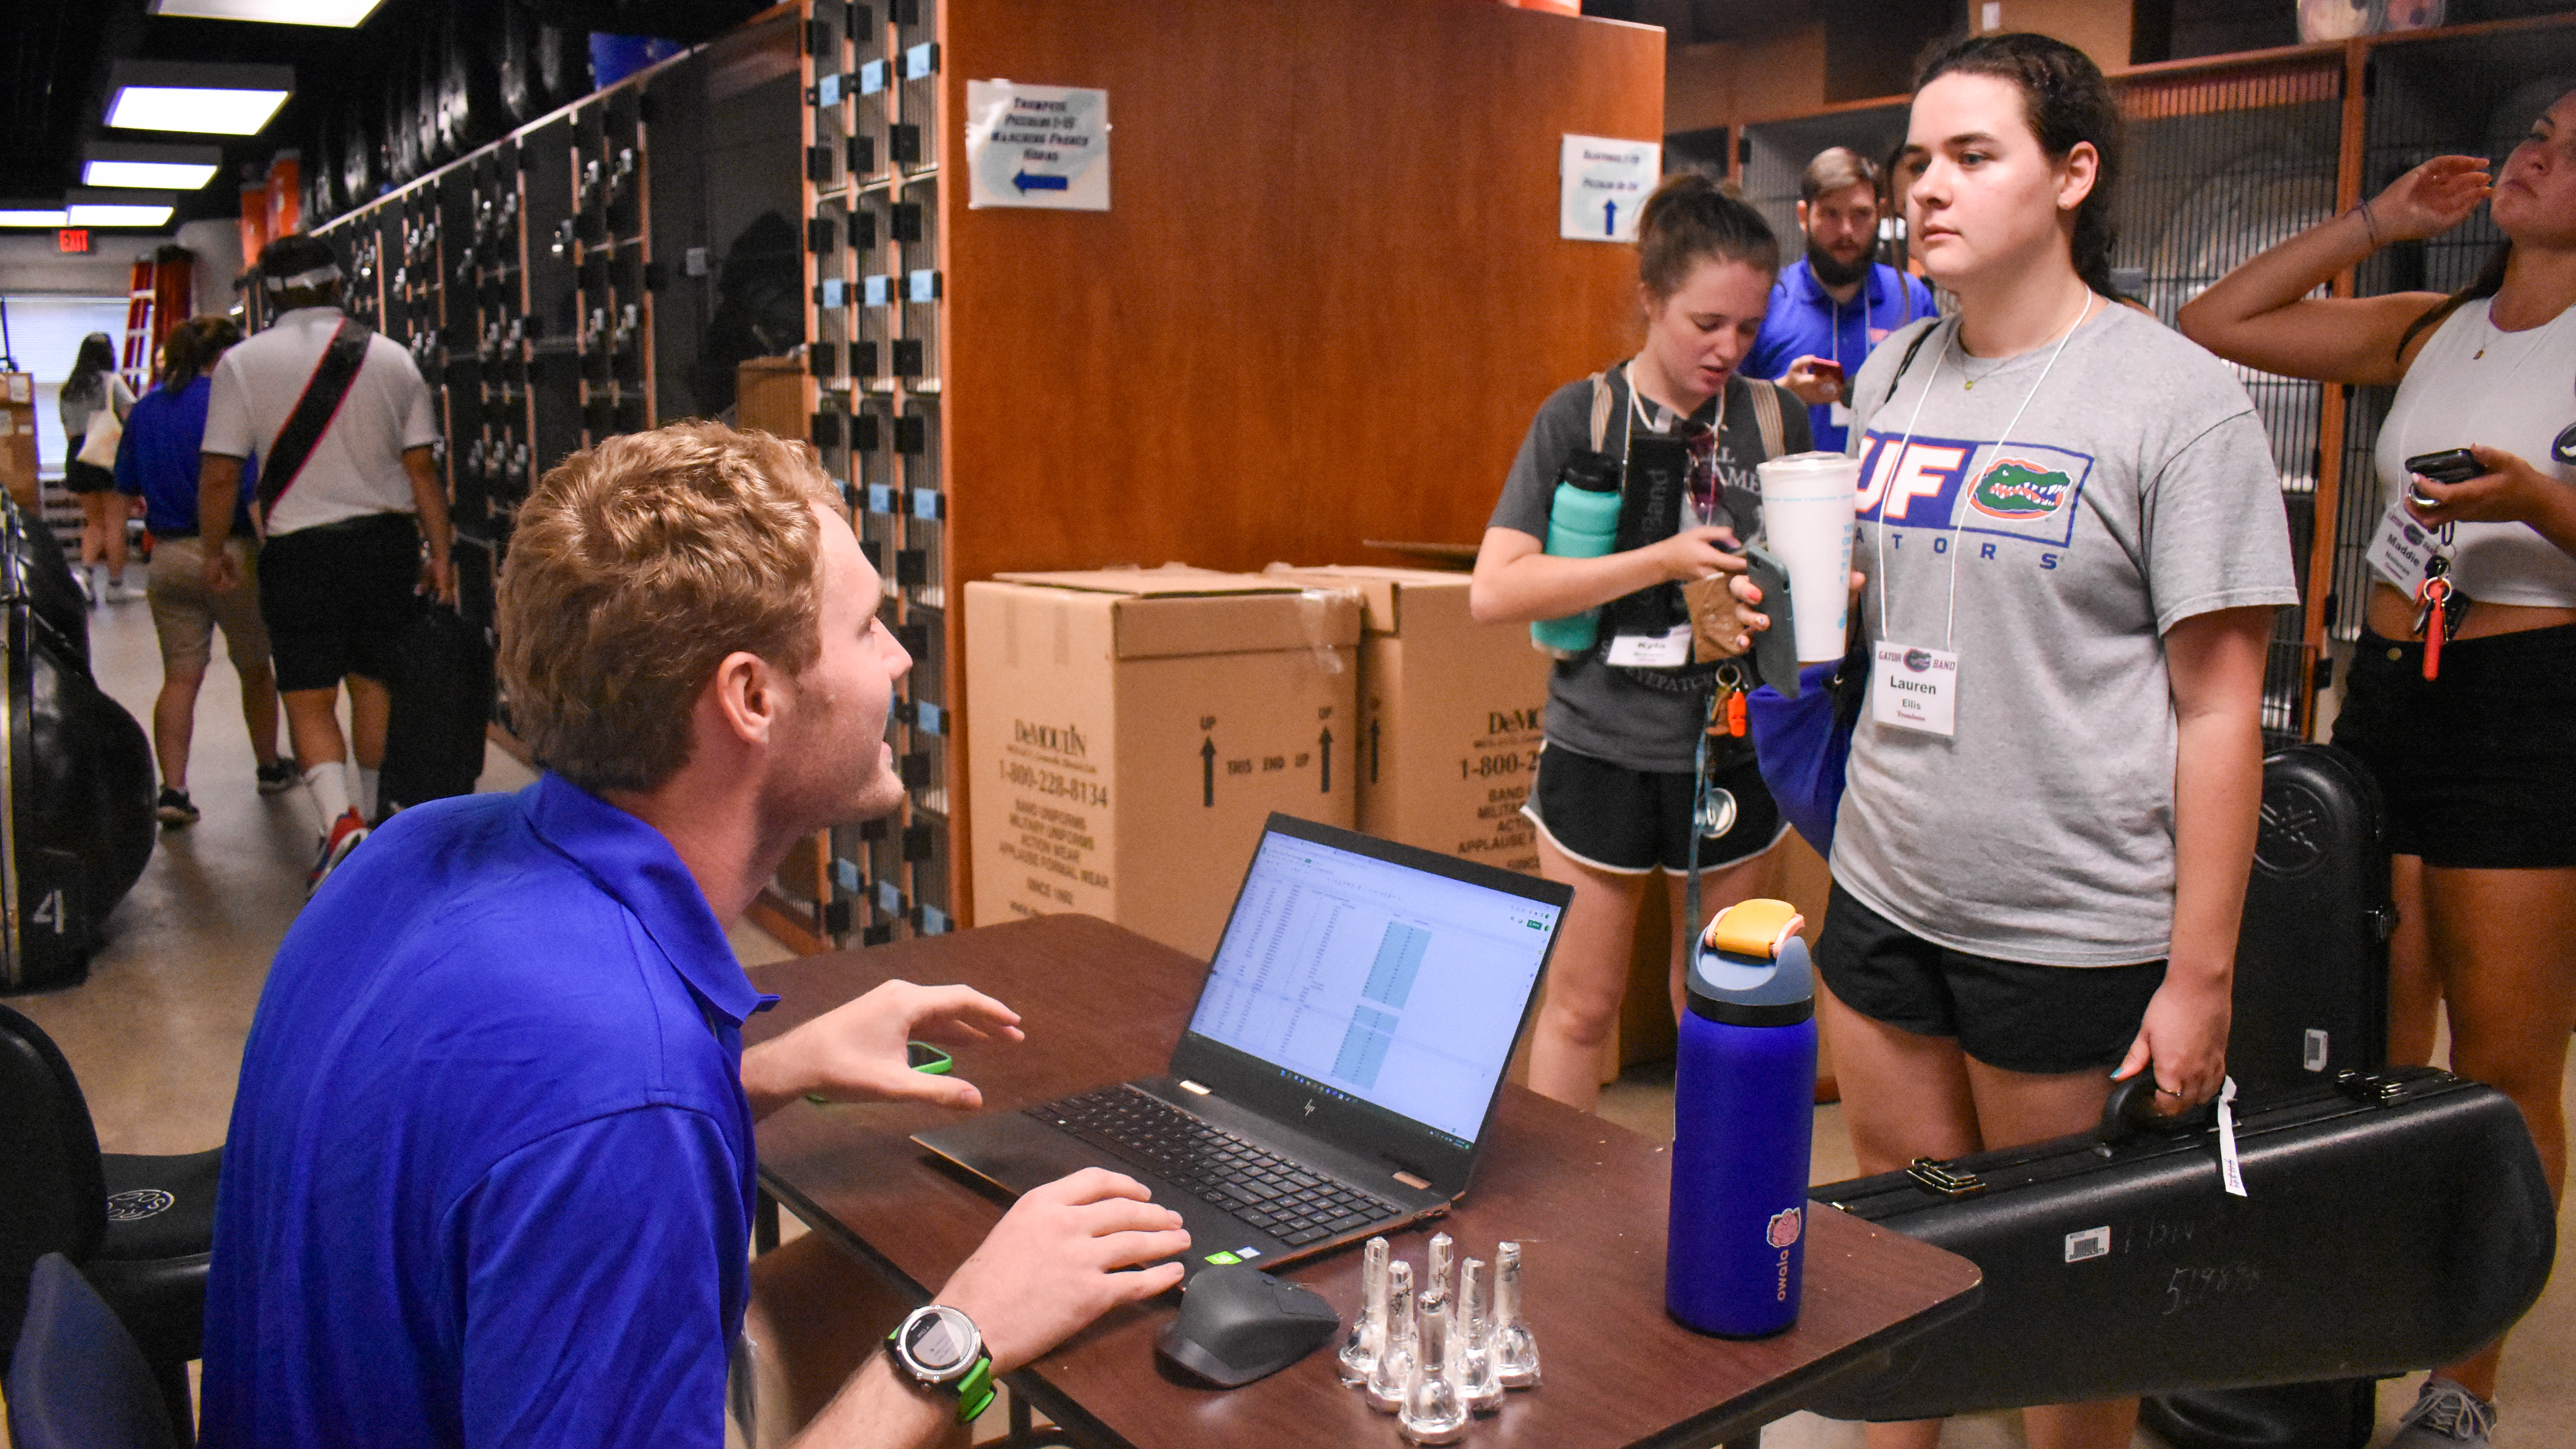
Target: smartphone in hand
x=2451 y=465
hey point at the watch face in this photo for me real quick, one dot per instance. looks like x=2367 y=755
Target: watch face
x=934 y=1342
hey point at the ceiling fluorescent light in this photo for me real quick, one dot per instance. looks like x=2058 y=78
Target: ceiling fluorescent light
x=342 y=13
x=150 y=168
x=48 y=218
x=116 y=209
x=227 y=100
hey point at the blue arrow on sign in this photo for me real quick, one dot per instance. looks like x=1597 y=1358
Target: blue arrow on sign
x=1609 y=218
x=1028 y=183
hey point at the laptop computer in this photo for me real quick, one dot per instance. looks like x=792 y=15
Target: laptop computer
x=1339 y=1074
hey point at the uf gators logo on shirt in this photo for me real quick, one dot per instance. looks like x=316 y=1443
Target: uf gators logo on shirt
x=2016 y=488
x=2021 y=491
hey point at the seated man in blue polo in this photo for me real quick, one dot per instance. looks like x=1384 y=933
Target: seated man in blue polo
x=490 y=1172
x=1832 y=308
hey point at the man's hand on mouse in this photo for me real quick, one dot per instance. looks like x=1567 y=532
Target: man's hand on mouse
x=855 y=1052
x=1062 y=1256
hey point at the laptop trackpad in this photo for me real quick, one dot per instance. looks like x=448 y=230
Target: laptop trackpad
x=1011 y=1150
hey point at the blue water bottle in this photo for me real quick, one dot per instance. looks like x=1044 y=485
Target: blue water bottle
x=1582 y=522
x=1744 y=1116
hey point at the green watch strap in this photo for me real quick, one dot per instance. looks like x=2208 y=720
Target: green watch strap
x=975 y=1391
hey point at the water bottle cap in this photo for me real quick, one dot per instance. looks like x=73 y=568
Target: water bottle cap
x=1740 y=990
x=1592 y=472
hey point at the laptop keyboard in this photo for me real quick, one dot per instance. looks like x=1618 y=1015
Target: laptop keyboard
x=1289 y=1201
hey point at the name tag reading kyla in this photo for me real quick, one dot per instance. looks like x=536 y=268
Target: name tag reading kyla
x=1652 y=651
x=1914 y=688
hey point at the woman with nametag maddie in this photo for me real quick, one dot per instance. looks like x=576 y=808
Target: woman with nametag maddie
x=2462 y=692
x=2074 y=541
x=1617 y=799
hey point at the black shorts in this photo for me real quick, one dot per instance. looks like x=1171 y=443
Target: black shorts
x=1628 y=822
x=2007 y=1014
x=2478 y=766
x=80 y=477
x=337 y=598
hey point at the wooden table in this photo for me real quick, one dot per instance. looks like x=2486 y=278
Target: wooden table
x=1585 y=1198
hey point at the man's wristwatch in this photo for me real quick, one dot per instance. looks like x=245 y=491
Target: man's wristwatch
x=941 y=1349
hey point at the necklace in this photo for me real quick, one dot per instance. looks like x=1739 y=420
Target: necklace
x=1969 y=377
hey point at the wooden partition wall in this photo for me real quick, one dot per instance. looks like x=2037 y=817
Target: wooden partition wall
x=1326 y=298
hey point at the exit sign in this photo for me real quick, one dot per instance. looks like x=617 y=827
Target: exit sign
x=72 y=239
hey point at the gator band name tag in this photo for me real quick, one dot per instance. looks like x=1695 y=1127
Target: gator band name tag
x=1914 y=688
x=1653 y=651
x=2401 y=547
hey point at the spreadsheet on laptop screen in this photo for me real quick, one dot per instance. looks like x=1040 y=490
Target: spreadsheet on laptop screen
x=1381 y=981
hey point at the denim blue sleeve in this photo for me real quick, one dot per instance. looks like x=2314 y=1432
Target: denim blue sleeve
x=1777 y=344
x=129 y=481
x=604 y=1279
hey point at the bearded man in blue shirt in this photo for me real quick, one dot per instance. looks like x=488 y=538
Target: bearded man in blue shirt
x=1831 y=308
x=490 y=1172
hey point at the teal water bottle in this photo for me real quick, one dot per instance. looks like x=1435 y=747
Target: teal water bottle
x=1582 y=522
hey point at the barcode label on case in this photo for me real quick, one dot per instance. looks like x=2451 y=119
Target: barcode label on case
x=2090 y=1243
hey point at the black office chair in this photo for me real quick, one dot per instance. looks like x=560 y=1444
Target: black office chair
x=76 y=1380
x=139 y=1228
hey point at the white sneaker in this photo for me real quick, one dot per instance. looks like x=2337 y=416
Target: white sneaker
x=2445 y=1416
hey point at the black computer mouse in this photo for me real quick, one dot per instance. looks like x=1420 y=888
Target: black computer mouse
x=1238 y=1324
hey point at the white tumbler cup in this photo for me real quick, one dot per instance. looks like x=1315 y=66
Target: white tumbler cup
x=1807 y=504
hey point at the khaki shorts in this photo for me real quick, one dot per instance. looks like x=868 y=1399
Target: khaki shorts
x=185 y=613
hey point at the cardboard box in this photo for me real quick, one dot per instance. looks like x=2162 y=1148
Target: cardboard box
x=1450 y=715
x=1129 y=731
x=18 y=457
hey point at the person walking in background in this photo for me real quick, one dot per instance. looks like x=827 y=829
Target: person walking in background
x=1834 y=306
x=2472 y=746
x=157 y=461
x=95 y=387
x=346 y=495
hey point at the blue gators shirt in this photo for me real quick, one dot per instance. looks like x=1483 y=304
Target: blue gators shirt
x=1805 y=322
x=489 y=1179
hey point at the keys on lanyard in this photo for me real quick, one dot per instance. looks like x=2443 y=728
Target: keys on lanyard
x=1728 y=715
x=2440 y=606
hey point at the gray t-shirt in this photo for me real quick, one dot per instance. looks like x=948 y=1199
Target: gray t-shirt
x=2135 y=491
x=105 y=389
x=1593 y=709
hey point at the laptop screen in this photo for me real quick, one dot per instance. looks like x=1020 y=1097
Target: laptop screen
x=1375 y=981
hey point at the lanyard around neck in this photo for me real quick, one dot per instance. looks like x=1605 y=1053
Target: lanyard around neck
x=1950 y=624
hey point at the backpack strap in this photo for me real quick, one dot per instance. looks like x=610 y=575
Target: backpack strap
x=1907 y=360
x=1766 y=418
x=324 y=391
x=1600 y=409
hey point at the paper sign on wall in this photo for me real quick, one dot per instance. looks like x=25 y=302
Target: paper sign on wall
x=1045 y=146
x=1604 y=185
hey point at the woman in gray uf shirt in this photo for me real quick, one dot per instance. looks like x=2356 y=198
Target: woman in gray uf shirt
x=1614 y=797
x=2074 y=539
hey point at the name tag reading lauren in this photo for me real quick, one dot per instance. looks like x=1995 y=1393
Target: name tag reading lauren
x=1914 y=688
x=1653 y=651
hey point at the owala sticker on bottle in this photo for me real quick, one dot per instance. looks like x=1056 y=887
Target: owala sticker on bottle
x=1914 y=688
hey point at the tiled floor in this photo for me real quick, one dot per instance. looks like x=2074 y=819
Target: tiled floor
x=155 y=1034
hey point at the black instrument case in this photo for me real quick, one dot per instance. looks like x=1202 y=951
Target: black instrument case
x=2393 y=1220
